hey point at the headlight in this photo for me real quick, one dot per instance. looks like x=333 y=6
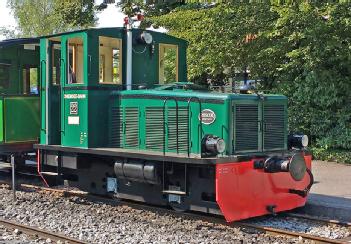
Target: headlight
x=213 y=144
x=297 y=141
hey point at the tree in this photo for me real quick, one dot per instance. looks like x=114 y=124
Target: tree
x=43 y=17
x=217 y=36
x=7 y=33
x=301 y=50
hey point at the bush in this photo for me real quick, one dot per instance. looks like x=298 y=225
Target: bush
x=340 y=156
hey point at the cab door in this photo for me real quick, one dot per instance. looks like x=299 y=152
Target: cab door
x=74 y=92
x=50 y=92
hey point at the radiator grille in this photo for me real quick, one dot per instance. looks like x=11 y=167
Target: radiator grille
x=116 y=133
x=182 y=129
x=154 y=128
x=131 y=127
x=246 y=130
x=274 y=127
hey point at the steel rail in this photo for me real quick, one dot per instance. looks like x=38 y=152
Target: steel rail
x=323 y=220
x=276 y=231
x=196 y=216
x=33 y=231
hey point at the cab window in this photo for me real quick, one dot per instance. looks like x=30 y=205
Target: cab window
x=75 y=64
x=110 y=60
x=168 y=63
x=30 y=80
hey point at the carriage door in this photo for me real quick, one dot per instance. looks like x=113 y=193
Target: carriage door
x=50 y=59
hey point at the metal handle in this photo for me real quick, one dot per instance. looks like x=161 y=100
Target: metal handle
x=62 y=97
x=259 y=125
x=89 y=66
x=164 y=123
x=189 y=123
x=64 y=69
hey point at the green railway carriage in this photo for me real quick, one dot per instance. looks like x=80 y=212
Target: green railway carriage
x=119 y=118
x=19 y=98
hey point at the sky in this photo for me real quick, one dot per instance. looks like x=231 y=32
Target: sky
x=110 y=17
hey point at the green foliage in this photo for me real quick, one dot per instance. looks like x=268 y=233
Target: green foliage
x=340 y=156
x=170 y=65
x=216 y=35
x=302 y=50
x=7 y=33
x=43 y=17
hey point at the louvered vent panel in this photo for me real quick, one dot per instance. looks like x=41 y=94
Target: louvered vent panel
x=116 y=133
x=154 y=128
x=131 y=127
x=274 y=127
x=246 y=131
x=182 y=129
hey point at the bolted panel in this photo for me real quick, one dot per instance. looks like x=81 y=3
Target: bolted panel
x=116 y=133
x=182 y=129
x=274 y=127
x=131 y=122
x=154 y=128
x=246 y=127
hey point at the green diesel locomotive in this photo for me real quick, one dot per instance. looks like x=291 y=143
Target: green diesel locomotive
x=119 y=118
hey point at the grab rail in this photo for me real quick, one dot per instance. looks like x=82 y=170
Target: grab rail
x=164 y=123
x=189 y=122
x=62 y=97
x=41 y=93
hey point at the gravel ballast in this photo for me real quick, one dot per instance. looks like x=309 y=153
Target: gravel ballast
x=306 y=226
x=102 y=223
x=16 y=236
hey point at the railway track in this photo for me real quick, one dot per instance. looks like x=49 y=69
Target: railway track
x=33 y=231
x=195 y=216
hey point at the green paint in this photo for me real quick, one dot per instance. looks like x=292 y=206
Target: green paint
x=93 y=110
x=222 y=105
x=91 y=114
x=21 y=119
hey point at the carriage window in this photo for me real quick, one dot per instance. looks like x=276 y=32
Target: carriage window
x=30 y=80
x=110 y=60
x=4 y=75
x=168 y=63
x=75 y=61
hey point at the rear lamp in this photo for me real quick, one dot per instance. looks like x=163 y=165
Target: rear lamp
x=297 y=141
x=213 y=145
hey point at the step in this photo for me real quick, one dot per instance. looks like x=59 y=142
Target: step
x=49 y=173
x=183 y=193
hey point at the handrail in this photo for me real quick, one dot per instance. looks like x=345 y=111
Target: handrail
x=63 y=71
x=164 y=123
x=89 y=66
x=62 y=99
x=41 y=93
x=189 y=122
